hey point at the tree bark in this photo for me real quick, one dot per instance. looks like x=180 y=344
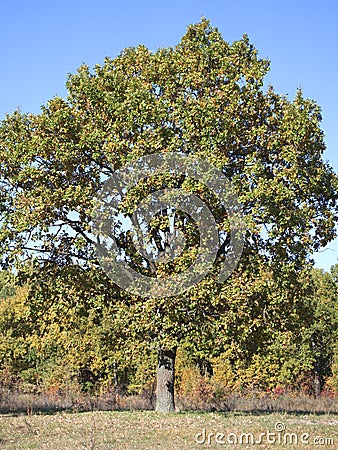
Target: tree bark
x=317 y=383
x=165 y=401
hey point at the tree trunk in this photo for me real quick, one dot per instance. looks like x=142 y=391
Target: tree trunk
x=317 y=383
x=165 y=401
x=205 y=367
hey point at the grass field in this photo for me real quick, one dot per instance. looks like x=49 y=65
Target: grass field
x=148 y=430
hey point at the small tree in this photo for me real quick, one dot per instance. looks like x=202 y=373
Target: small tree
x=203 y=97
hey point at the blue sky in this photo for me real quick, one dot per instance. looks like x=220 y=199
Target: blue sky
x=41 y=42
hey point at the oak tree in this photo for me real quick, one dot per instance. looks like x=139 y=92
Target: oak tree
x=203 y=97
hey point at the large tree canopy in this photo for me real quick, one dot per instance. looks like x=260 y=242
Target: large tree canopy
x=204 y=97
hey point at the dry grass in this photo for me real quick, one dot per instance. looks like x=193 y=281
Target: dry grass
x=142 y=430
x=16 y=402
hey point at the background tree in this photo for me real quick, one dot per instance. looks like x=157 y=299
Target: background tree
x=203 y=97
x=322 y=334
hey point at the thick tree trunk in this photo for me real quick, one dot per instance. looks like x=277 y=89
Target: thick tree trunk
x=165 y=401
x=317 y=383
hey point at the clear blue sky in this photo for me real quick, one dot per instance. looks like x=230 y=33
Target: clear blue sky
x=42 y=41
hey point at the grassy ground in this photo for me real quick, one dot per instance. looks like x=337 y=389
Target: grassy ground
x=148 y=430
